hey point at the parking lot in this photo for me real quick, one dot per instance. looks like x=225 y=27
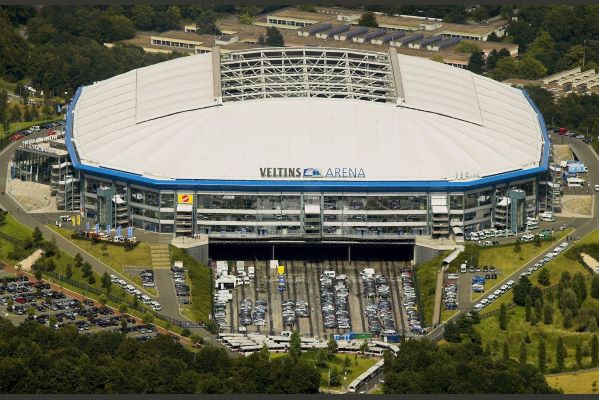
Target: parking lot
x=316 y=303
x=39 y=302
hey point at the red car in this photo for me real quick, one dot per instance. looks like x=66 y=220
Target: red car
x=562 y=131
x=16 y=136
x=51 y=132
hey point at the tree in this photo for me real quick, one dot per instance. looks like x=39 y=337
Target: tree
x=198 y=339
x=547 y=314
x=503 y=317
x=506 y=352
x=534 y=318
x=542 y=356
x=103 y=300
x=560 y=354
x=544 y=277
x=274 y=37
x=91 y=279
x=37 y=236
x=528 y=308
x=517 y=247
x=185 y=332
x=594 y=350
x=331 y=346
x=579 y=286
x=592 y=324
x=531 y=68
x=568 y=301
x=78 y=260
x=346 y=364
x=69 y=271
x=106 y=282
x=147 y=317
x=295 y=346
x=31 y=312
x=86 y=269
x=142 y=16
x=363 y=347
x=506 y=68
x=543 y=49
x=321 y=358
x=368 y=19
x=206 y=23
x=467 y=47
x=537 y=241
x=493 y=37
x=595 y=287
x=123 y=307
x=523 y=353
x=335 y=378
x=38 y=274
x=578 y=355
x=476 y=62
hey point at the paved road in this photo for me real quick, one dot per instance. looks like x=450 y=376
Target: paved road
x=586 y=154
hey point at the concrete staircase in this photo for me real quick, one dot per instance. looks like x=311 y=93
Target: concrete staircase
x=160 y=256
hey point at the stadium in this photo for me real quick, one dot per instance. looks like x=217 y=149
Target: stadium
x=307 y=143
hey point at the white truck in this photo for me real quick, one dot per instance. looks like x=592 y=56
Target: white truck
x=251 y=272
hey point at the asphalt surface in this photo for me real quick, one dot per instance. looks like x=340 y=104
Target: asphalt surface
x=583 y=227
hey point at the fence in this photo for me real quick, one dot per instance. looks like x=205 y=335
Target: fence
x=12 y=239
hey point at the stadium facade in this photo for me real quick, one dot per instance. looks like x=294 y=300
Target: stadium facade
x=301 y=143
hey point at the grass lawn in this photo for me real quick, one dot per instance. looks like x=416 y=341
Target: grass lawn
x=201 y=286
x=518 y=327
x=19 y=126
x=575 y=383
x=446 y=314
x=359 y=364
x=506 y=260
x=117 y=257
x=426 y=275
x=11 y=227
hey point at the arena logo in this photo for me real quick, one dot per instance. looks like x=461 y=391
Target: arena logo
x=327 y=173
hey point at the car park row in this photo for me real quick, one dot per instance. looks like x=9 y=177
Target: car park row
x=450 y=291
x=292 y=310
x=135 y=292
x=410 y=300
x=509 y=284
x=334 y=301
x=379 y=311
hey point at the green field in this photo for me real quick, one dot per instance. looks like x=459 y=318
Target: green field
x=359 y=364
x=576 y=383
x=11 y=227
x=426 y=275
x=116 y=257
x=201 y=286
x=518 y=327
x=19 y=126
x=506 y=260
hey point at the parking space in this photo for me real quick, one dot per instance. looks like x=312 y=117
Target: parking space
x=40 y=303
x=320 y=298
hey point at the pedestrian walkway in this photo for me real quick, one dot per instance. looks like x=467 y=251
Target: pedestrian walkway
x=160 y=256
x=438 y=298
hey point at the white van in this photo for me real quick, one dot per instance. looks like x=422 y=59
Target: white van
x=463 y=268
x=532 y=225
x=547 y=216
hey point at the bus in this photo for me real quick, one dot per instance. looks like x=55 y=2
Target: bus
x=365 y=377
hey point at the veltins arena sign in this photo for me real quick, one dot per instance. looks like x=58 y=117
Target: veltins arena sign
x=312 y=173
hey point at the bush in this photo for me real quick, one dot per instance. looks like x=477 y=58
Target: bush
x=185 y=332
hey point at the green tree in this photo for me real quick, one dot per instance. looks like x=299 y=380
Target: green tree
x=592 y=324
x=78 y=260
x=368 y=19
x=37 y=235
x=86 y=269
x=568 y=301
x=103 y=300
x=346 y=364
x=38 y=274
x=594 y=350
x=528 y=308
x=185 y=332
x=142 y=16
x=30 y=312
x=106 y=282
x=537 y=241
x=560 y=354
x=69 y=271
x=147 y=317
x=322 y=358
x=531 y=68
x=543 y=49
x=506 y=68
x=274 y=37
x=91 y=279
x=335 y=377
x=331 y=346
x=578 y=355
x=295 y=345
x=123 y=307
x=534 y=319
x=547 y=314
x=544 y=277
x=517 y=247
x=503 y=317
x=363 y=347
x=206 y=23
x=506 y=352
x=595 y=287
x=476 y=62
x=579 y=286
x=523 y=353
x=467 y=47
x=542 y=356
x=198 y=339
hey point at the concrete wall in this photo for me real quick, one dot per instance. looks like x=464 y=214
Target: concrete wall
x=198 y=252
x=423 y=254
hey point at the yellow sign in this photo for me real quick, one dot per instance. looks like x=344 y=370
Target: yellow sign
x=281 y=270
x=184 y=198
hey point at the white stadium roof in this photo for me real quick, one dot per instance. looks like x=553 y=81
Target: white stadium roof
x=168 y=121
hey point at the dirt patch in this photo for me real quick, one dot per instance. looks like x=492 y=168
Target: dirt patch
x=562 y=152
x=34 y=197
x=577 y=206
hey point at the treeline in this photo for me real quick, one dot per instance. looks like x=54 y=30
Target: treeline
x=37 y=359
x=424 y=367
